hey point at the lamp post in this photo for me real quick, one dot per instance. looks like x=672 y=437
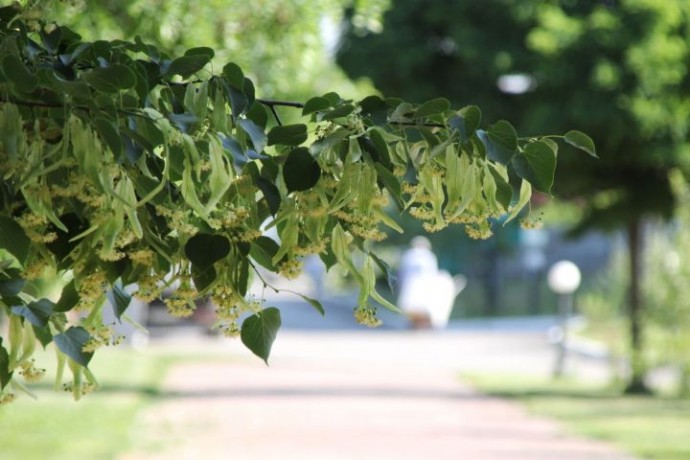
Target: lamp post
x=564 y=278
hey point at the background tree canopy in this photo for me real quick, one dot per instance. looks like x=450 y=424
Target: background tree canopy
x=286 y=47
x=615 y=69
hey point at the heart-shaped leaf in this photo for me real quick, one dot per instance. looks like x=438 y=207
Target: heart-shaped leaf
x=466 y=121
x=300 y=171
x=537 y=165
x=432 y=107
x=68 y=299
x=500 y=141
x=315 y=104
x=204 y=249
x=37 y=313
x=259 y=332
x=262 y=250
x=287 y=135
x=71 y=342
x=234 y=75
x=111 y=79
x=186 y=66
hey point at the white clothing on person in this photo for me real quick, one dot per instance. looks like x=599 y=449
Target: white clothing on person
x=426 y=291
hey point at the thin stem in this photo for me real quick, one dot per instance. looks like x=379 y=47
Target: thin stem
x=265 y=283
x=412 y=123
x=273 y=103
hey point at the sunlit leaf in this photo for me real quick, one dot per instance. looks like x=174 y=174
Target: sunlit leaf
x=581 y=141
x=259 y=331
x=537 y=164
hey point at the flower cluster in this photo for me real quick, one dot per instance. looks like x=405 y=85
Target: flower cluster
x=290 y=268
x=181 y=303
x=7 y=397
x=91 y=289
x=100 y=335
x=366 y=316
x=83 y=389
x=35 y=227
x=150 y=287
x=29 y=372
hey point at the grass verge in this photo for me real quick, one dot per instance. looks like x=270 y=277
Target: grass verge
x=99 y=425
x=649 y=427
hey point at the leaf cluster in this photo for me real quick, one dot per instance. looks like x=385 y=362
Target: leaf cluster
x=130 y=172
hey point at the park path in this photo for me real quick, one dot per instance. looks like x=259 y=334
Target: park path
x=355 y=395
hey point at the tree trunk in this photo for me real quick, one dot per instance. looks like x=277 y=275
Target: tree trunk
x=636 y=384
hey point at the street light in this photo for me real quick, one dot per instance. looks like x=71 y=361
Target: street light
x=563 y=278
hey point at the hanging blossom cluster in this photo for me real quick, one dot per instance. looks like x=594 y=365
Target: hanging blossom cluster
x=140 y=174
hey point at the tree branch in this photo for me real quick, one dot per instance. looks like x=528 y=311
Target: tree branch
x=272 y=103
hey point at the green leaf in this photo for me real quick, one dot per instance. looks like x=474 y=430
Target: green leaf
x=432 y=107
x=109 y=134
x=120 y=300
x=262 y=250
x=234 y=75
x=203 y=278
x=5 y=374
x=71 y=342
x=536 y=164
x=259 y=332
x=37 y=313
x=581 y=141
x=43 y=335
x=300 y=171
x=13 y=239
x=186 y=66
x=314 y=303
x=242 y=276
x=500 y=141
x=504 y=191
x=111 y=79
x=391 y=183
x=204 y=249
x=466 y=121
x=69 y=298
x=287 y=135
x=339 y=112
x=11 y=283
x=255 y=133
x=315 y=104
x=271 y=193
x=386 y=269
x=201 y=51
x=20 y=76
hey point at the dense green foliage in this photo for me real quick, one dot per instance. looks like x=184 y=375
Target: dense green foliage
x=619 y=70
x=124 y=169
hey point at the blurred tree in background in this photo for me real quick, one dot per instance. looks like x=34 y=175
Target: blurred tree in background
x=286 y=47
x=615 y=69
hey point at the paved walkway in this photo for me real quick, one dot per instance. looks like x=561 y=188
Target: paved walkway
x=357 y=395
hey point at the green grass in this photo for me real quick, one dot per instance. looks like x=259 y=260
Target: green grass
x=96 y=427
x=649 y=427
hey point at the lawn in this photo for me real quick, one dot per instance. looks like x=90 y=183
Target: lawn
x=650 y=427
x=98 y=426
